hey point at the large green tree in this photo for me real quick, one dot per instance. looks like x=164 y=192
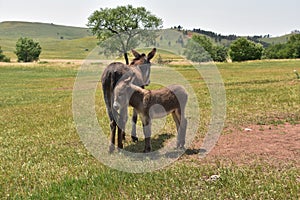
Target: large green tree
x=243 y=49
x=27 y=50
x=120 y=29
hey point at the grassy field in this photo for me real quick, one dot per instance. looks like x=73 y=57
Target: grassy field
x=42 y=156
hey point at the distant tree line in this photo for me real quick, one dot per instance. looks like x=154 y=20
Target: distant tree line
x=202 y=49
x=218 y=37
x=215 y=36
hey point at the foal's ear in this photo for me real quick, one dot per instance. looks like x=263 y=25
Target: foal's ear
x=151 y=54
x=128 y=80
x=135 y=53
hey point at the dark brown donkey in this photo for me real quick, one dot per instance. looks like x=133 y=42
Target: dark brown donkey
x=152 y=104
x=141 y=66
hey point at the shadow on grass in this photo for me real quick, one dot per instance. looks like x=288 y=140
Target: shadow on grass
x=157 y=143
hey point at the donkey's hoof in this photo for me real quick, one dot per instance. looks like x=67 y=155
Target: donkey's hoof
x=134 y=139
x=147 y=150
x=181 y=148
x=111 y=149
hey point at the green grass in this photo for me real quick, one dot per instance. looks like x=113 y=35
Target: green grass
x=42 y=156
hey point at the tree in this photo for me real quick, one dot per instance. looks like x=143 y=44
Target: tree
x=27 y=50
x=119 y=29
x=3 y=58
x=243 y=49
x=291 y=49
x=276 y=51
x=219 y=53
x=293 y=46
x=196 y=52
x=201 y=49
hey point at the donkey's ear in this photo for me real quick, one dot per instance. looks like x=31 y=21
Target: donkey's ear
x=135 y=53
x=151 y=54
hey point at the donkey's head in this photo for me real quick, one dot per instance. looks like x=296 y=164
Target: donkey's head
x=143 y=63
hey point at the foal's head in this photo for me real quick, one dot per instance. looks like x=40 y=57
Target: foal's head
x=143 y=63
x=122 y=93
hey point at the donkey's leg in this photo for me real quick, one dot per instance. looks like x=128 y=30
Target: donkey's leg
x=133 y=130
x=113 y=126
x=120 y=138
x=147 y=133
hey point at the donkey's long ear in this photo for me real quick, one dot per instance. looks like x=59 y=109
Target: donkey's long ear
x=135 y=53
x=151 y=54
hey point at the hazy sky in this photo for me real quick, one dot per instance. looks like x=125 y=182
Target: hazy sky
x=241 y=17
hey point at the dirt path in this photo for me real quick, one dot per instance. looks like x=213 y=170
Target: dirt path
x=272 y=144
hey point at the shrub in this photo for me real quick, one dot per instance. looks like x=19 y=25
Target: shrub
x=243 y=49
x=3 y=58
x=27 y=50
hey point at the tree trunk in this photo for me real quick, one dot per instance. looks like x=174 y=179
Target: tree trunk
x=126 y=58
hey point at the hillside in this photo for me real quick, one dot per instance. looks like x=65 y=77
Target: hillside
x=57 y=41
x=65 y=42
x=41 y=30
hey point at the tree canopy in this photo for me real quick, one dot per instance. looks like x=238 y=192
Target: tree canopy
x=120 y=29
x=27 y=50
x=3 y=58
x=243 y=49
x=201 y=49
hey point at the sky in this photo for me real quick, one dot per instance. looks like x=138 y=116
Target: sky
x=239 y=17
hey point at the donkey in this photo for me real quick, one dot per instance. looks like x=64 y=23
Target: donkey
x=152 y=104
x=111 y=75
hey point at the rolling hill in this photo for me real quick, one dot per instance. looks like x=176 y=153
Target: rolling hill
x=65 y=42
x=41 y=30
x=57 y=41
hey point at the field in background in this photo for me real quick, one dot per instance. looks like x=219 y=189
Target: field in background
x=42 y=156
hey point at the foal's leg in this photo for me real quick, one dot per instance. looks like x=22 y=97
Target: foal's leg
x=147 y=133
x=121 y=126
x=133 y=130
x=181 y=129
x=177 y=122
